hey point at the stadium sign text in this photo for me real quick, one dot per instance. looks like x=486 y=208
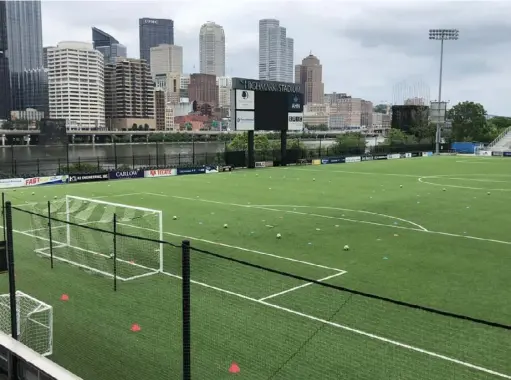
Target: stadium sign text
x=254 y=85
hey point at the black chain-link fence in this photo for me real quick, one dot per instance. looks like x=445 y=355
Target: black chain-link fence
x=128 y=305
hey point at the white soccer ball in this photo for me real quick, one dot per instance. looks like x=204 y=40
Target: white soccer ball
x=33 y=193
x=225 y=225
x=400 y=185
x=111 y=255
x=174 y=217
x=279 y=236
x=346 y=247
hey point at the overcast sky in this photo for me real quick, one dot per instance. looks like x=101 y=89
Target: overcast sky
x=376 y=50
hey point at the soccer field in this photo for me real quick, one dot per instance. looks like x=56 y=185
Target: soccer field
x=432 y=232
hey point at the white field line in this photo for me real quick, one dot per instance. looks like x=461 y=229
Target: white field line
x=269 y=208
x=299 y=287
x=346 y=328
x=352 y=330
x=474 y=180
x=352 y=172
x=359 y=221
x=424 y=180
x=238 y=248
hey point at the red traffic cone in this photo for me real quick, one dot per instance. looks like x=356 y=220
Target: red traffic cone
x=234 y=368
x=64 y=297
x=135 y=327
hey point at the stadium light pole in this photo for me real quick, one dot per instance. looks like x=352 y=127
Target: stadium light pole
x=441 y=35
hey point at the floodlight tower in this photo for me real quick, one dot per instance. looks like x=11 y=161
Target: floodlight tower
x=441 y=35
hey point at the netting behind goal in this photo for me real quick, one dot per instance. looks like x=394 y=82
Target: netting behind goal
x=35 y=322
x=83 y=233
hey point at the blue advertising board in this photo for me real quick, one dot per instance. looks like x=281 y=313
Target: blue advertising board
x=126 y=174
x=197 y=170
x=333 y=160
x=507 y=154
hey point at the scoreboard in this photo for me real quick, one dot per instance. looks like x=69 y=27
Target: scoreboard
x=266 y=106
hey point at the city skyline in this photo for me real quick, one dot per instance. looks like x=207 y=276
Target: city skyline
x=364 y=50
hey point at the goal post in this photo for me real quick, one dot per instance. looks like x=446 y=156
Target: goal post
x=139 y=233
x=35 y=322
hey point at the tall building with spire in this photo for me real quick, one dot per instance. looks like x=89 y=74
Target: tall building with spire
x=212 y=49
x=276 y=52
x=310 y=75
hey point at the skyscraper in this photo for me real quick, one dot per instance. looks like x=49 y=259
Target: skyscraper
x=276 y=52
x=309 y=74
x=166 y=59
x=107 y=45
x=129 y=94
x=154 y=32
x=212 y=49
x=70 y=65
x=25 y=53
x=5 y=85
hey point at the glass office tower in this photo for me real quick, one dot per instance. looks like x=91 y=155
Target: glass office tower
x=25 y=54
x=154 y=32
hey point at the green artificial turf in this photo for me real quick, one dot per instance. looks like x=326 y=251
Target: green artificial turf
x=429 y=231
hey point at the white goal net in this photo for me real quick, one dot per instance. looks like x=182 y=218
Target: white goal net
x=35 y=322
x=84 y=236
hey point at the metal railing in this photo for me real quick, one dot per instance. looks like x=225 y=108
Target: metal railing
x=500 y=137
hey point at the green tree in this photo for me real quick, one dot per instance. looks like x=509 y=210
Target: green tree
x=397 y=137
x=500 y=122
x=134 y=127
x=319 y=127
x=380 y=108
x=468 y=122
x=347 y=142
x=240 y=142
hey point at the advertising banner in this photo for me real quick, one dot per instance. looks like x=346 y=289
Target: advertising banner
x=211 y=169
x=269 y=164
x=245 y=100
x=260 y=164
x=506 y=154
x=402 y=155
x=416 y=154
x=367 y=158
x=39 y=181
x=430 y=154
x=408 y=155
x=353 y=159
x=126 y=174
x=90 y=177
x=484 y=153
x=336 y=160
x=393 y=156
x=244 y=120
x=11 y=182
x=159 y=173
x=424 y=154
x=380 y=157
x=316 y=162
x=182 y=171
x=496 y=154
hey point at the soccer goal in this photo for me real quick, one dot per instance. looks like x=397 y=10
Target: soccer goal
x=86 y=236
x=35 y=322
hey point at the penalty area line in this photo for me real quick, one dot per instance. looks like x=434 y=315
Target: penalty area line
x=349 y=329
x=300 y=286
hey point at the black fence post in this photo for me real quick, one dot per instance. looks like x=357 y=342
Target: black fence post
x=115 y=251
x=13 y=161
x=50 y=235
x=193 y=149
x=115 y=155
x=4 y=227
x=185 y=274
x=67 y=157
x=38 y=167
x=13 y=365
x=157 y=158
